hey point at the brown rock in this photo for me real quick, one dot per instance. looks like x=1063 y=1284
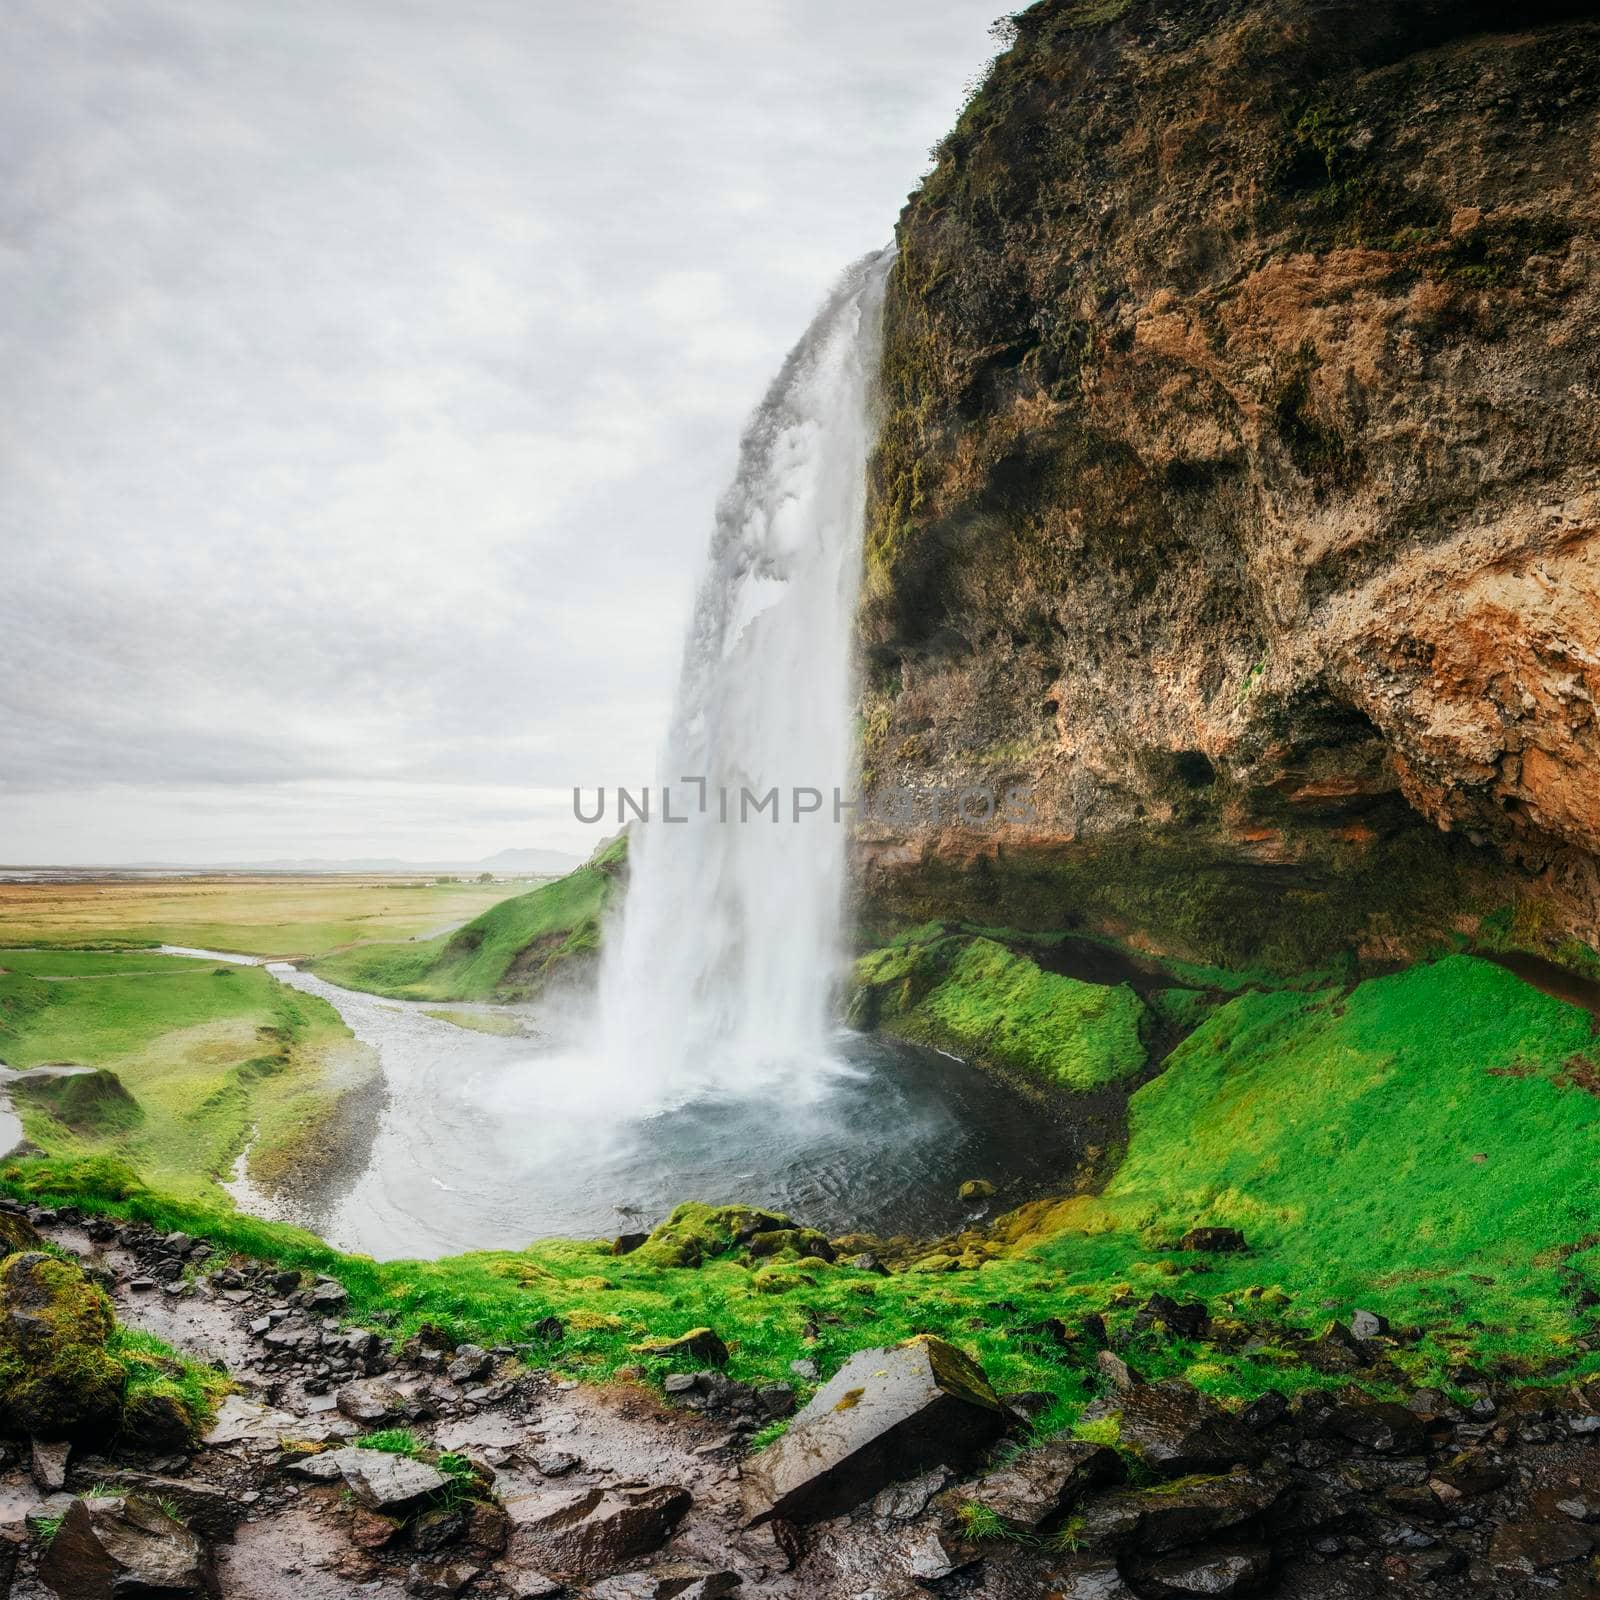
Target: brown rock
x=586 y=1532
x=108 y=1548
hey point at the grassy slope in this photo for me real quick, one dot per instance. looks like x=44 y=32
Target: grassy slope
x=555 y=923
x=256 y=916
x=1340 y=1131
x=207 y=1053
x=979 y=999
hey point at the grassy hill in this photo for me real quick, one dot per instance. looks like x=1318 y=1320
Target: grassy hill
x=507 y=953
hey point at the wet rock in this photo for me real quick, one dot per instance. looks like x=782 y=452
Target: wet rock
x=371 y=1530
x=698 y=1344
x=1186 y=1321
x=1383 y=1427
x=210 y=1510
x=1264 y=1410
x=1086 y=1578
x=885 y=1414
x=1035 y=1492
x=933 y=1551
x=157 y=1422
x=1213 y=1241
x=1176 y=1431
x=433 y=1530
x=111 y=1547
x=487 y=1528
x=1240 y=1570
x=677 y=1580
x=242 y=1421
x=1368 y=1325
x=1529 y=1547
x=471 y=1362
x=905 y=1502
x=1189 y=1513
x=372 y=1401
x=439 y=1579
x=977 y=1189
x=585 y=1532
x=1580 y=1507
x=534 y=1586
x=554 y=1463
x=382 y=1481
x=47 y=1461
x=326 y=1295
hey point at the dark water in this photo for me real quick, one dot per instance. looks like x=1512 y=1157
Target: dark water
x=490 y=1142
x=1553 y=980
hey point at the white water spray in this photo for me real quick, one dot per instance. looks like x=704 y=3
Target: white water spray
x=722 y=972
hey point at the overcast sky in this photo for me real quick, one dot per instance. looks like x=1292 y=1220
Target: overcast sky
x=371 y=369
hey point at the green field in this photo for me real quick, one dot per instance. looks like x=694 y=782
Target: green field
x=207 y=1052
x=263 y=916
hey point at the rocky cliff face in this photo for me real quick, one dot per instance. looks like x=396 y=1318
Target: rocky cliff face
x=1239 y=481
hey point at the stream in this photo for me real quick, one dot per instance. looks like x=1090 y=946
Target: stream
x=489 y=1141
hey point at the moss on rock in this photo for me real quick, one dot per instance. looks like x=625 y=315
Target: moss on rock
x=57 y=1378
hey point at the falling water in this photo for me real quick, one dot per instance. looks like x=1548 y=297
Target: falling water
x=721 y=975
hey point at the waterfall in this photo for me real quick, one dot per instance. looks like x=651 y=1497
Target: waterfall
x=722 y=972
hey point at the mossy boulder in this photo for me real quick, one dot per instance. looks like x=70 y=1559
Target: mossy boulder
x=696 y=1233
x=57 y=1379
x=17 y=1233
x=90 y=1103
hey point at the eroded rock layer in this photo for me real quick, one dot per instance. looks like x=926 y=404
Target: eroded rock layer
x=1239 y=482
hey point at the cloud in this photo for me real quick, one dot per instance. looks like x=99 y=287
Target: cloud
x=373 y=367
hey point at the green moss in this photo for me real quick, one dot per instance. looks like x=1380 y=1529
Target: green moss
x=57 y=1379
x=94 y=1104
x=977 y=998
x=163 y=1385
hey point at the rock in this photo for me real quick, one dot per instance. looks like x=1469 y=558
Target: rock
x=1384 y=1427
x=1116 y=1371
x=1085 y=1578
x=156 y=1421
x=242 y=1421
x=208 y=1509
x=371 y=1530
x=440 y=1579
x=554 y=1463
x=48 y=1464
x=676 y=1580
x=586 y=1532
x=1187 y=1321
x=867 y=1261
x=904 y=1502
x=776 y=1399
x=698 y=1344
x=886 y=1413
x=18 y=1234
x=1368 y=1325
x=433 y=1530
x=534 y=1586
x=488 y=1527
x=59 y=1380
x=805 y=1369
x=977 y=1189
x=1035 y=1492
x=1238 y=1570
x=1213 y=1241
x=327 y=1295
x=372 y=1401
x=1175 y=1430
x=626 y=1243
x=471 y=1362
x=1203 y=1508
x=380 y=1480
x=1264 y=1410
x=1529 y=1547
x=113 y=1547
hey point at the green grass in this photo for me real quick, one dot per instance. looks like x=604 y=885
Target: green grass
x=206 y=1053
x=977 y=998
x=1341 y=1132
x=157 y=1371
x=505 y=954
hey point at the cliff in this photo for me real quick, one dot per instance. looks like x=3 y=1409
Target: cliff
x=1239 y=480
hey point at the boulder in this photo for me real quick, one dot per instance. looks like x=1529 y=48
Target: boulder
x=1199 y=1509
x=1035 y=1492
x=1381 y=1426
x=676 y=1580
x=380 y=1480
x=327 y=1294
x=372 y=1401
x=471 y=1362
x=587 y=1532
x=114 y=1547
x=17 y=1233
x=1088 y=1578
x=977 y=1189
x=698 y=1344
x=1176 y=1431
x=207 y=1509
x=1213 y=1241
x=1368 y=1325
x=1225 y=1572
x=56 y=1377
x=886 y=1414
